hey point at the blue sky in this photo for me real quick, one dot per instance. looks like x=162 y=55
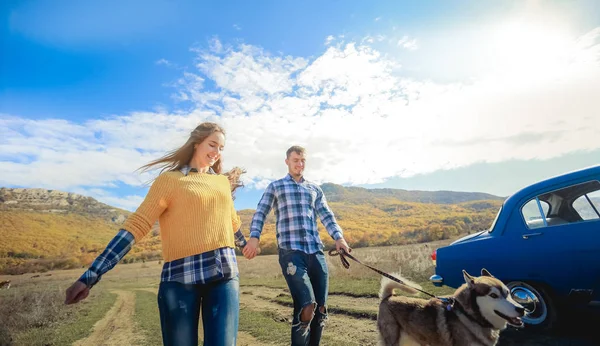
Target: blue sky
x=431 y=95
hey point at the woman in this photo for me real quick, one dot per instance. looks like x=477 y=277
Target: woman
x=193 y=203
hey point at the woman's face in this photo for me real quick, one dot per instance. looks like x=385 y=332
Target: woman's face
x=209 y=151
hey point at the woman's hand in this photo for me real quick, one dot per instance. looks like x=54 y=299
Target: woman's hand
x=251 y=249
x=76 y=293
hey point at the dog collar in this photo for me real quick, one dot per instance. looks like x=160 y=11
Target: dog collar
x=453 y=304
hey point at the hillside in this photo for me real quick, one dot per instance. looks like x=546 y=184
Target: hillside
x=58 y=202
x=359 y=195
x=48 y=229
x=393 y=222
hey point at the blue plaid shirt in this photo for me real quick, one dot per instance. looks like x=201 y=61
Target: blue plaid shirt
x=196 y=269
x=297 y=206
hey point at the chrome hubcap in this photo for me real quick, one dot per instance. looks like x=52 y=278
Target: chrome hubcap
x=531 y=300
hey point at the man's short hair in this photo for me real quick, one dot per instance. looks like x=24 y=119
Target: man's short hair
x=295 y=149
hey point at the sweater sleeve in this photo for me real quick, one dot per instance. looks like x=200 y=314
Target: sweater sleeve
x=235 y=219
x=157 y=200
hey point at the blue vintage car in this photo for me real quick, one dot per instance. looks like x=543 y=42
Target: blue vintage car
x=544 y=244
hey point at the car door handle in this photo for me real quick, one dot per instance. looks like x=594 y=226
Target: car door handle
x=526 y=236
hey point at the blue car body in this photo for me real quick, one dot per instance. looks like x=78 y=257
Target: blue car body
x=559 y=248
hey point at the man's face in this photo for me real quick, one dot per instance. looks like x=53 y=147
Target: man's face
x=296 y=163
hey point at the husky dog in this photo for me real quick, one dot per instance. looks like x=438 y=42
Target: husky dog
x=480 y=309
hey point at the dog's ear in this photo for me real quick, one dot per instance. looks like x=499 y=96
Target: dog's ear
x=484 y=272
x=469 y=279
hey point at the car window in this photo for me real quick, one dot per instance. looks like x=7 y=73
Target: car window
x=531 y=213
x=575 y=203
x=588 y=205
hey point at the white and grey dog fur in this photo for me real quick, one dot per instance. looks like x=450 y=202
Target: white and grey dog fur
x=482 y=308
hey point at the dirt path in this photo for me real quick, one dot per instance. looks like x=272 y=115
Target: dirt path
x=244 y=339
x=333 y=300
x=116 y=327
x=346 y=329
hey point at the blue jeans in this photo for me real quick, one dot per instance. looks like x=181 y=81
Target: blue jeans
x=307 y=278
x=180 y=304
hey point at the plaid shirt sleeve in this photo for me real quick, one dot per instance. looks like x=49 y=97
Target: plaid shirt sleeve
x=240 y=240
x=116 y=249
x=262 y=210
x=327 y=217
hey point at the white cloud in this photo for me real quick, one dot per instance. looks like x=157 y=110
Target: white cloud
x=329 y=40
x=237 y=27
x=163 y=62
x=249 y=70
x=408 y=43
x=359 y=118
x=128 y=202
x=368 y=39
x=372 y=39
x=261 y=184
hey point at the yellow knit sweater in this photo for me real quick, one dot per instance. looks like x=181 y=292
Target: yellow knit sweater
x=195 y=212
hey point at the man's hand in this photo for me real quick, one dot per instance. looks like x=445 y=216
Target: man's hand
x=341 y=244
x=251 y=249
x=77 y=292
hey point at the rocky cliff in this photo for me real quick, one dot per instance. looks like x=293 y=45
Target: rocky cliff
x=59 y=202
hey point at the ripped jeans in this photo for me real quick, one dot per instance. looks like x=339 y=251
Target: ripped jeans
x=308 y=280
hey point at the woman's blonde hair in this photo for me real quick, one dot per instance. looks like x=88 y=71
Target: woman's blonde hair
x=178 y=158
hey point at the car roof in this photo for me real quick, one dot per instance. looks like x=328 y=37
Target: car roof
x=555 y=182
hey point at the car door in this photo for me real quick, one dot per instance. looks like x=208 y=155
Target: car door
x=560 y=242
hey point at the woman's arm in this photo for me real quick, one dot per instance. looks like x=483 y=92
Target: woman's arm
x=114 y=252
x=240 y=240
x=134 y=229
x=116 y=249
x=155 y=203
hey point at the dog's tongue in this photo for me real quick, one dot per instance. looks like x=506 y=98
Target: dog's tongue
x=513 y=321
x=516 y=321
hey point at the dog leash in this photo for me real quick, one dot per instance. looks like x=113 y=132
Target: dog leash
x=450 y=302
x=343 y=254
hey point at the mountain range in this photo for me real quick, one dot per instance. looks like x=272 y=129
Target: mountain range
x=49 y=229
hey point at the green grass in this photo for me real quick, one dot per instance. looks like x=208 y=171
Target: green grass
x=265 y=327
x=147 y=319
x=52 y=323
x=348 y=286
x=367 y=287
x=332 y=308
x=78 y=323
x=265 y=282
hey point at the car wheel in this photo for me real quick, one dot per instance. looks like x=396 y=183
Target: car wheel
x=536 y=298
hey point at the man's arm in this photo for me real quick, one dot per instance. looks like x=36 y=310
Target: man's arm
x=258 y=221
x=262 y=210
x=326 y=216
x=328 y=220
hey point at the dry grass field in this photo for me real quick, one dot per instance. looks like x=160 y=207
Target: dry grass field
x=122 y=309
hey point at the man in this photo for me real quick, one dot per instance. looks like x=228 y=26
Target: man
x=297 y=203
